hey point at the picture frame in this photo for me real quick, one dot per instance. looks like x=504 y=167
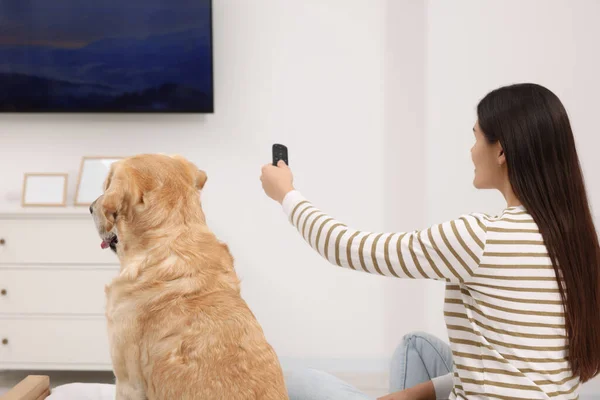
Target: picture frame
x=92 y=174
x=44 y=190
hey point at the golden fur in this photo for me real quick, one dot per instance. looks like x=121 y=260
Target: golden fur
x=177 y=325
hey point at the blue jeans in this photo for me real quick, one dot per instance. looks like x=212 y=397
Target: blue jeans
x=419 y=358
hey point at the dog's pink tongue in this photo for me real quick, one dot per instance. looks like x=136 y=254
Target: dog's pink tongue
x=105 y=244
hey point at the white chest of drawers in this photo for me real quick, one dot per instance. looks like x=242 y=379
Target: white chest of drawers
x=52 y=278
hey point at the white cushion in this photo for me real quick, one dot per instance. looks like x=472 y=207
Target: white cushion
x=83 y=391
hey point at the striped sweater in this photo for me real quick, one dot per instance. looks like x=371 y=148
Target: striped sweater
x=503 y=310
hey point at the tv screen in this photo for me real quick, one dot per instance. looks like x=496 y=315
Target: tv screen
x=106 y=56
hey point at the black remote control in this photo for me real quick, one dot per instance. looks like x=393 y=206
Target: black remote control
x=280 y=152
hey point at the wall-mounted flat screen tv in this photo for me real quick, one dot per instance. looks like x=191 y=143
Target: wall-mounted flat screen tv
x=106 y=56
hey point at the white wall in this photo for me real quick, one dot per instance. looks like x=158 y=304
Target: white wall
x=474 y=46
x=311 y=75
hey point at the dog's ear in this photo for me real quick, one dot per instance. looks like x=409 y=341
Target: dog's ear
x=119 y=190
x=201 y=178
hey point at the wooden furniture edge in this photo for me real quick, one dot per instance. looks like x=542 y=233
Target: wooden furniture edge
x=33 y=387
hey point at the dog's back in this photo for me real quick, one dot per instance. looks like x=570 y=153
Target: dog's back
x=204 y=342
x=218 y=353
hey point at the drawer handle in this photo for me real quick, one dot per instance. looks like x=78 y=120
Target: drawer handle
x=3 y=292
x=2 y=242
x=5 y=341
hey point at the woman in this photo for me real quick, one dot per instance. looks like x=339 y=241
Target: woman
x=515 y=333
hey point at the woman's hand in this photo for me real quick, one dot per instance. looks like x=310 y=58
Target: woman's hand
x=422 y=391
x=277 y=181
x=402 y=395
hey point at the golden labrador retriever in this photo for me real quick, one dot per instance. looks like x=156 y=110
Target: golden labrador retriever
x=178 y=327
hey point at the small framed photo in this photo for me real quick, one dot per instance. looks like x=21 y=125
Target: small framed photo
x=92 y=174
x=44 y=190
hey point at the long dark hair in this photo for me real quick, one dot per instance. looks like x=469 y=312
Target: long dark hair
x=543 y=168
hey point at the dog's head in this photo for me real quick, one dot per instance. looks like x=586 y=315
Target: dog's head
x=145 y=193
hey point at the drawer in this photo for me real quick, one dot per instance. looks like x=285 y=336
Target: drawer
x=52 y=241
x=54 y=291
x=42 y=343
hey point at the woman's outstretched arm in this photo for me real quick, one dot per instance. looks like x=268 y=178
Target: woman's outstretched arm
x=450 y=251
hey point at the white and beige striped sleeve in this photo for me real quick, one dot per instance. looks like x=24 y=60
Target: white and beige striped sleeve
x=450 y=251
